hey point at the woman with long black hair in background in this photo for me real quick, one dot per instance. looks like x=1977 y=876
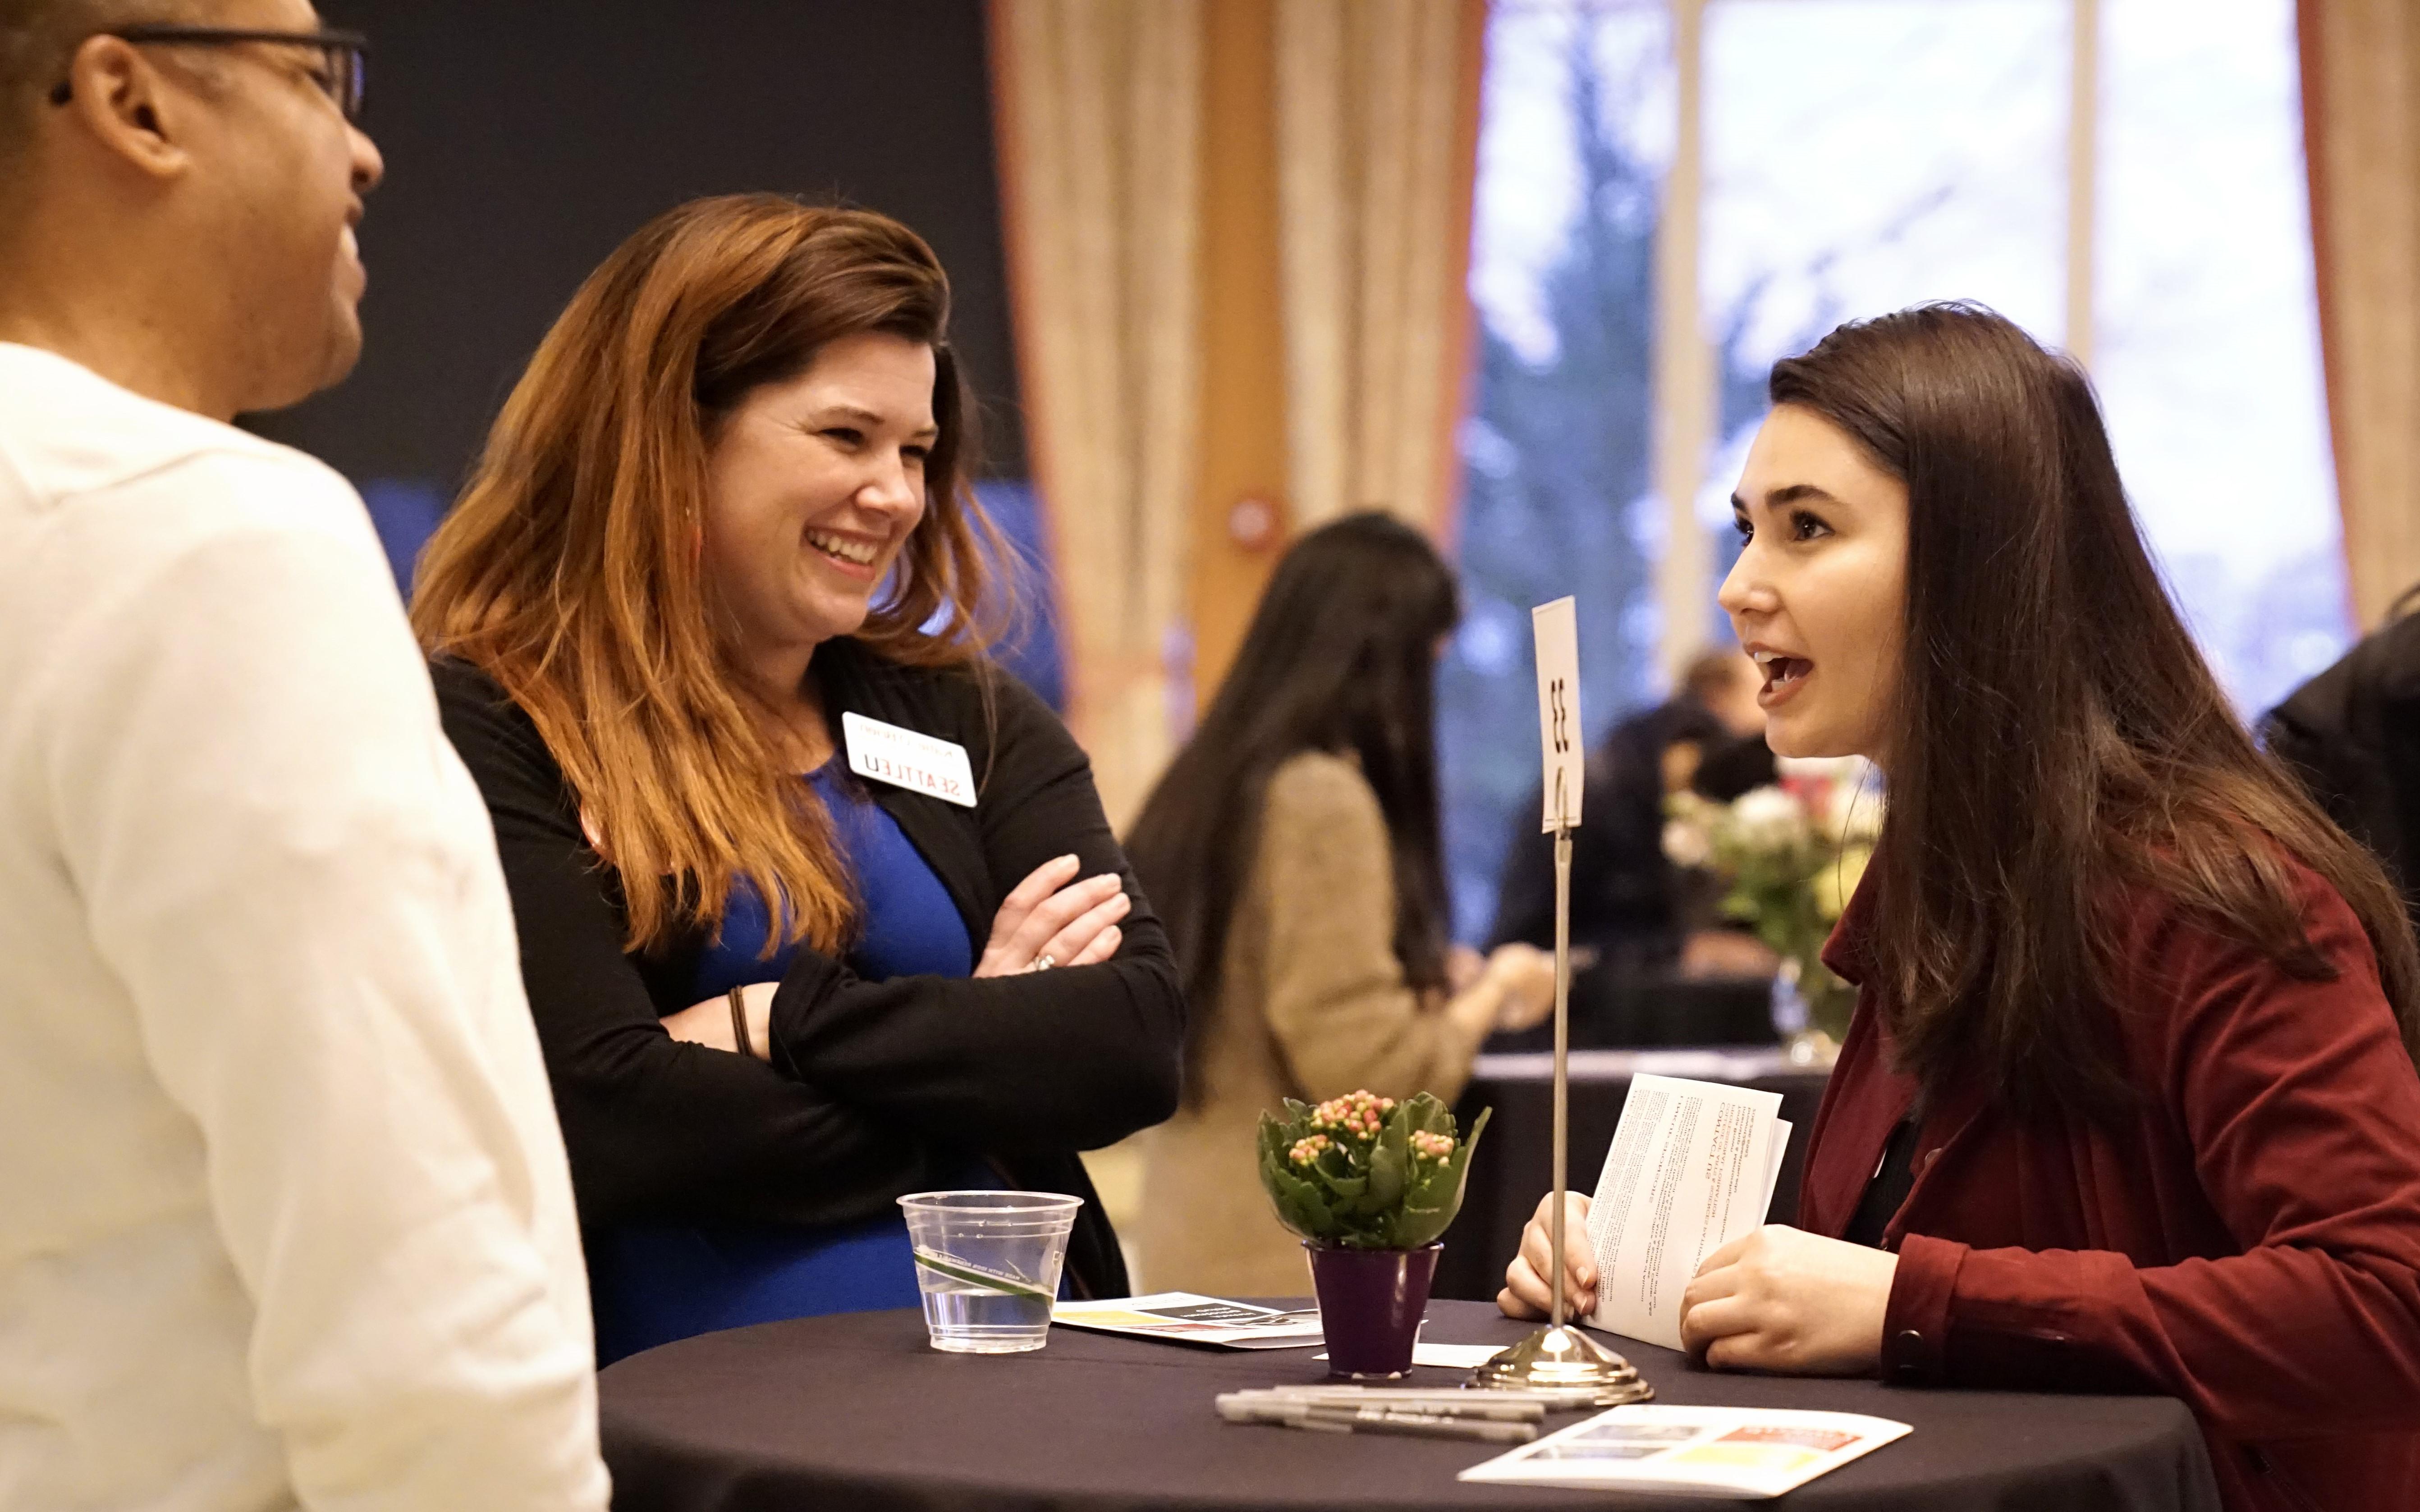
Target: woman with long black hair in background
x=1293 y=849
x=2129 y=1101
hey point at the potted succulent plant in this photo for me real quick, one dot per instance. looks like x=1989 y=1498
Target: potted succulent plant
x=1369 y=1183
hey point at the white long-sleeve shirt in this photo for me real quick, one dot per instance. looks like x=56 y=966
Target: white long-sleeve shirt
x=284 y=1212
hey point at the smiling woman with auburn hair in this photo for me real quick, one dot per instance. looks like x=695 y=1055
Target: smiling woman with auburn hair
x=720 y=536
x=2127 y=1103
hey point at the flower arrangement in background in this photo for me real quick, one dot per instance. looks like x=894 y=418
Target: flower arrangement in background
x=1788 y=857
x=1366 y=1172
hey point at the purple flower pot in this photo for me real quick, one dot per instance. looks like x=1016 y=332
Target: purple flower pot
x=1371 y=1302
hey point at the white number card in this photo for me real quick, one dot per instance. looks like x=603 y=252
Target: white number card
x=903 y=758
x=1556 y=627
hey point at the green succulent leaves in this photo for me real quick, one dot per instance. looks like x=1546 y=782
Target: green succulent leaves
x=1364 y=1172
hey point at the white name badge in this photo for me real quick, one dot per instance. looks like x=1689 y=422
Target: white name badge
x=903 y=758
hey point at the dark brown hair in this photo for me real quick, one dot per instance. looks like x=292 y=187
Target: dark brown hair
x=1340 y=656
x=569 y=571
x=38 y=40
x=2056 y=736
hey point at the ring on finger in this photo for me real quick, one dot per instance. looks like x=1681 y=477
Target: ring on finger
x=1041 y=963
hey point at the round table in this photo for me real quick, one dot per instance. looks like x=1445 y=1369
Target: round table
x=856 y=1411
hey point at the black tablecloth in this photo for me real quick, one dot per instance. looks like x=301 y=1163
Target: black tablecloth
x=858 y=1412
x=1514 y=1164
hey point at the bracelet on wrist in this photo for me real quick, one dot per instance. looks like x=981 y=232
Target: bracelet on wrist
x=739 y=1023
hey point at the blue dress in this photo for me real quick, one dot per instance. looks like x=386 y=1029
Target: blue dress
x=654 y=1283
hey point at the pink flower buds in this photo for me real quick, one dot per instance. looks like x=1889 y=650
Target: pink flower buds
x=1360 y=1114
x=1307 y=1150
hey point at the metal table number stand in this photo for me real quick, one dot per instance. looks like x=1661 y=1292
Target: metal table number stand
x=1560 y=1357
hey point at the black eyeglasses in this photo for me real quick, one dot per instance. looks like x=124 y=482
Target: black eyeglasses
x=342 y=74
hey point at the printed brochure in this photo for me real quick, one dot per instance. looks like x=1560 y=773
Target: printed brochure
x=1188 y=1317
x=1693 y=1451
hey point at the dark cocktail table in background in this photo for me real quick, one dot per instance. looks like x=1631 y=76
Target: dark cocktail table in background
x=856 y=1411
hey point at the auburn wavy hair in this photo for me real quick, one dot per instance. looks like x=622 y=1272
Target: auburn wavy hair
x=570 y=569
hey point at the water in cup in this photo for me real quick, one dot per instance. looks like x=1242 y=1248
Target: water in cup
x=988 y=1264
x=981 y=1317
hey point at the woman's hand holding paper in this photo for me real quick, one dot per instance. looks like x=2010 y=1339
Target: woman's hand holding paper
x=1785 y=1300
x=1525 y=1293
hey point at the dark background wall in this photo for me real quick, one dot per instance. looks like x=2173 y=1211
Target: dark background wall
x=523 y=140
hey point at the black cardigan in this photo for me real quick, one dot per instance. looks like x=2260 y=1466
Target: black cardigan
x=877 y=1088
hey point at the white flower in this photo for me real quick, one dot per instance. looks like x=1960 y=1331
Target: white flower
x=1842 y=794
x=1687 y=844
x=1860 y=808
x=1768 y=820
x=1852 y=808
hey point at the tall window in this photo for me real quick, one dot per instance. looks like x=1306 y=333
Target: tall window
x=1672 y=193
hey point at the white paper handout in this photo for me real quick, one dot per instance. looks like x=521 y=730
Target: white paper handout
x=1190 y=1317
x=1693 y=1451
x=1692 y=1168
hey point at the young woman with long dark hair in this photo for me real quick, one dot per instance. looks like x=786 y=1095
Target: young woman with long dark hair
x=1293 y=848
x=2128 y=1102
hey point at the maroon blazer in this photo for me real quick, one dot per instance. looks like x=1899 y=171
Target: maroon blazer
x=2248 y=1239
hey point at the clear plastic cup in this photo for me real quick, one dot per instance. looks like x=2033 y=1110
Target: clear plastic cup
x=987 y=1264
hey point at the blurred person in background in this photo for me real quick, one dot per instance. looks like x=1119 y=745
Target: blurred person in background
x=2353 y=735
x=284 y=1213
x=1636 y=913
x=721 y=537
x=1294 y=847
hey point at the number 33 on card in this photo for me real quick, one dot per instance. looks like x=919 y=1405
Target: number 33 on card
x=903 y=758
x=1556 y=627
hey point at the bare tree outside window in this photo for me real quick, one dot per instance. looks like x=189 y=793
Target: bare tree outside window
x=1860 y=155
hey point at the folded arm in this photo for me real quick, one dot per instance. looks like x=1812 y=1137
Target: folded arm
x=1070 y=1058
x=657 y=1128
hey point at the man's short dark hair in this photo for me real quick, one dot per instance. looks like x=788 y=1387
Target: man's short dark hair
x=1710 y=672
x=37 y=37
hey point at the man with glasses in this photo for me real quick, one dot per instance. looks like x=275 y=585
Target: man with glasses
x=284 y=1212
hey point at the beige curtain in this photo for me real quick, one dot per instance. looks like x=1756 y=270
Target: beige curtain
x=1099 y=122
x=2360 y=98
x=1376 y=110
